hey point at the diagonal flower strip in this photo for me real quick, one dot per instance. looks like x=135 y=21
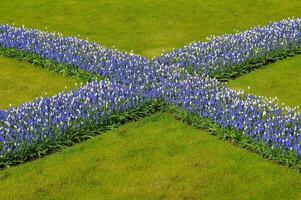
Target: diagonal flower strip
x=186 y=78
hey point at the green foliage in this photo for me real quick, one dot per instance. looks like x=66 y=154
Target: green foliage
x=190 y=70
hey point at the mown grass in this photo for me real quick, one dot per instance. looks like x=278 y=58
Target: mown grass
x=21 y=82
x=281 y=79
x=155 y=158
x=146 y=26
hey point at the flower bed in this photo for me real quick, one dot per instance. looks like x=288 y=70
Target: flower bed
x=255 y=118
x=229 y=56
x=37 y=125
x=131 y=81
x=72 y=51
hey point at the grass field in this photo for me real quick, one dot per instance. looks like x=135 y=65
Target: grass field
x=281 y=79
x=154 y=158
x=157 y=157
x=146 y=26
x=21 y=82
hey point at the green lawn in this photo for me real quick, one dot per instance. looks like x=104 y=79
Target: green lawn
x=146 y=26
x=281 y=79
x=155 y=158
x=21 y=82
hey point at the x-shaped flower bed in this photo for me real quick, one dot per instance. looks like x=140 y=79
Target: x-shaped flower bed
x=122 y=87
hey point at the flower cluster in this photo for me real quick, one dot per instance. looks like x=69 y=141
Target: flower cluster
x=258 y=118
x=131 y=80
x=72 y=51
x=46 y=119
x=220 y=54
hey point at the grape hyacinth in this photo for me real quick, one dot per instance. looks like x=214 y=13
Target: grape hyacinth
x=219 y=54
x=131 y=80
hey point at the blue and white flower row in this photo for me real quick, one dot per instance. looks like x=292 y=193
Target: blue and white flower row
x=131 y=80
x=258 y=118
x=219 y=54
x=214 y=56
x=46 y=119
x=73 y=51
